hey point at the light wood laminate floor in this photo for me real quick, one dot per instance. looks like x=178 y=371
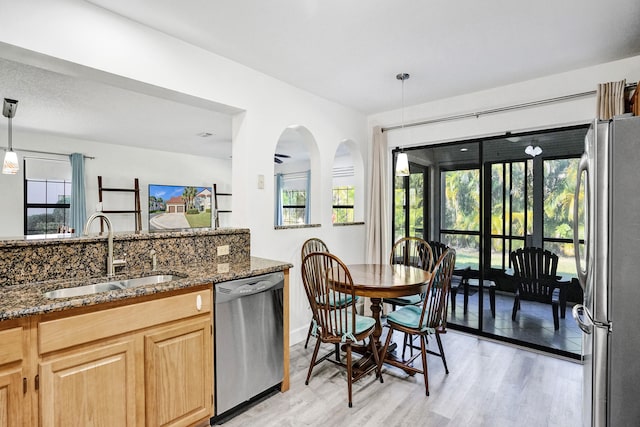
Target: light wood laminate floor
x=489 y=384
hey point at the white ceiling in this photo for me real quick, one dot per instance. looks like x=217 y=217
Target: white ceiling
x=60 y=104
x=346 y=51
x=350 y=51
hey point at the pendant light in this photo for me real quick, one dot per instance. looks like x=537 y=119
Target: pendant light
x=402 y=161
x=10 y=165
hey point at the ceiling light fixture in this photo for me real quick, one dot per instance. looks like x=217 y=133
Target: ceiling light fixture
x=533 y=151
x=10 y=165
x=402 y=161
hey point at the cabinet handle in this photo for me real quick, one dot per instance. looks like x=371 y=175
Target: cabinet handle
x=24 y=385
x=199 y=302
x=37 y=382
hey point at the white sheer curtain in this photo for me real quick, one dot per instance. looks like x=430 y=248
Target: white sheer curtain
x=610 y=99
x=378 y=209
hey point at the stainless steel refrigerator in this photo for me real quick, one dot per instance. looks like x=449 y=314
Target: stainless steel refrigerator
x=609 y=272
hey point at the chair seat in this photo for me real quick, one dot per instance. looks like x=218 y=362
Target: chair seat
x=408 y=300
x=336 y=299
x=409 y=317
x=363 y=323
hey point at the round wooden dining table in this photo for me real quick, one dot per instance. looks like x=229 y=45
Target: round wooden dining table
x=378 y=281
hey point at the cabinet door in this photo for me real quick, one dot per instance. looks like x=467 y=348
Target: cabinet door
x=90 y=387
x=13 y=402
x=178 y=373
x=11 y=397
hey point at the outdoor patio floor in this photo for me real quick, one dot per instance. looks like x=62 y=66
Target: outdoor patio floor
x=533 y=324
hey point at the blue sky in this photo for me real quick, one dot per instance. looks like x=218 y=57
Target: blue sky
x=168 y=191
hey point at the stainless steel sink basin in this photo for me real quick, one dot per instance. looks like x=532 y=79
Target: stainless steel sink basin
x=148 y=280
x=111 y=286
x=83 y=290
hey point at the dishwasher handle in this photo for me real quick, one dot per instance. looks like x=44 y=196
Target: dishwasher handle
x=228 y=291
x=253 y=288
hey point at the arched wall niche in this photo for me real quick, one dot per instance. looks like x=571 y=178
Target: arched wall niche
x=296 y=178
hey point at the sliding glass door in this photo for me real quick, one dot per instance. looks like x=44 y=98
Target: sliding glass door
x=487 y=198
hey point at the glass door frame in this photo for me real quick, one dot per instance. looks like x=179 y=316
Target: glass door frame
x=414 y=169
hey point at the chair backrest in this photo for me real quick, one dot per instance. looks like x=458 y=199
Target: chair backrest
x=412 y=251
x=323 y=273
x=312 y=245
x=438 y=249
x=535 y=272
x=436 y=302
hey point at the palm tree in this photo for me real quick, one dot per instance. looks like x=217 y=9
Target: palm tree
x=188 y=196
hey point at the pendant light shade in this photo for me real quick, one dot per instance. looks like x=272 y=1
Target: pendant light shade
x=10 y=165
x=402 y=164
x=402 y=161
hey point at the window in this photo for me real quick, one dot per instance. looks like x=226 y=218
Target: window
x=410 y=207
x=293 y=207
x=460 y=215
x=343 y=205
x=560 y=176
x=47 y=196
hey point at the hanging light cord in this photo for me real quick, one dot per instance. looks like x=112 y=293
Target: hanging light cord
x=10 y=135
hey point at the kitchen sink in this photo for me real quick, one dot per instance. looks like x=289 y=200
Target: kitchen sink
x=111 y=286
x=148 y=280
x=83 y=290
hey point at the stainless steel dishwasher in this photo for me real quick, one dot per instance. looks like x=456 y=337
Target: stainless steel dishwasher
x=248 y=339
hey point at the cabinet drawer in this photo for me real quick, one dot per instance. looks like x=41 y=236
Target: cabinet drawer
x=79 y=329
x=11 y=348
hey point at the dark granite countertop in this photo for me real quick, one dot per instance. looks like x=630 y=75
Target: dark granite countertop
x=29 y=300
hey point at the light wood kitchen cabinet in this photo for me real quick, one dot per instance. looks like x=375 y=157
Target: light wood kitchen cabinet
x=93 y=386
x=178 y=373
x=13 y=402
x=147 y=363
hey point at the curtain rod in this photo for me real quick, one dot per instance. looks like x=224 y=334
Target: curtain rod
x=501 y=109
x=45 y=152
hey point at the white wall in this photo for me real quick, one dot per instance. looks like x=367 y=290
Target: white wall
x=118 y=165
x=81 y=33
x=581 y=110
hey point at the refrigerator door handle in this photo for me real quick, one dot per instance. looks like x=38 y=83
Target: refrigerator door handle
x=579 y=313
x=583 y=166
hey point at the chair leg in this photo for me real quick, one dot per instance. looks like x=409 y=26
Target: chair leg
x=349 y=373
x=466 y=297
x=492 y=301
x=376 y=358
x=337 y=351
x=556 y=321
x=306 y=343
x=384 y=349
x=454 y=293
x=408 y=341
x=441 y=348
x=516 y=306
x=404 y=345
x=313 y=361
x=425 y=371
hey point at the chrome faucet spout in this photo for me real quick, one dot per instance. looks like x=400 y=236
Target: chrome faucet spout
x=110 y=268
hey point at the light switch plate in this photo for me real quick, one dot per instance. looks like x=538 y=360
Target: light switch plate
x=223 y=250
x=261 y=182
x=223 y=268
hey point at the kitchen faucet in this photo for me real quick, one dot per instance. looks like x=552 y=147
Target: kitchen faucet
x=111 y=263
